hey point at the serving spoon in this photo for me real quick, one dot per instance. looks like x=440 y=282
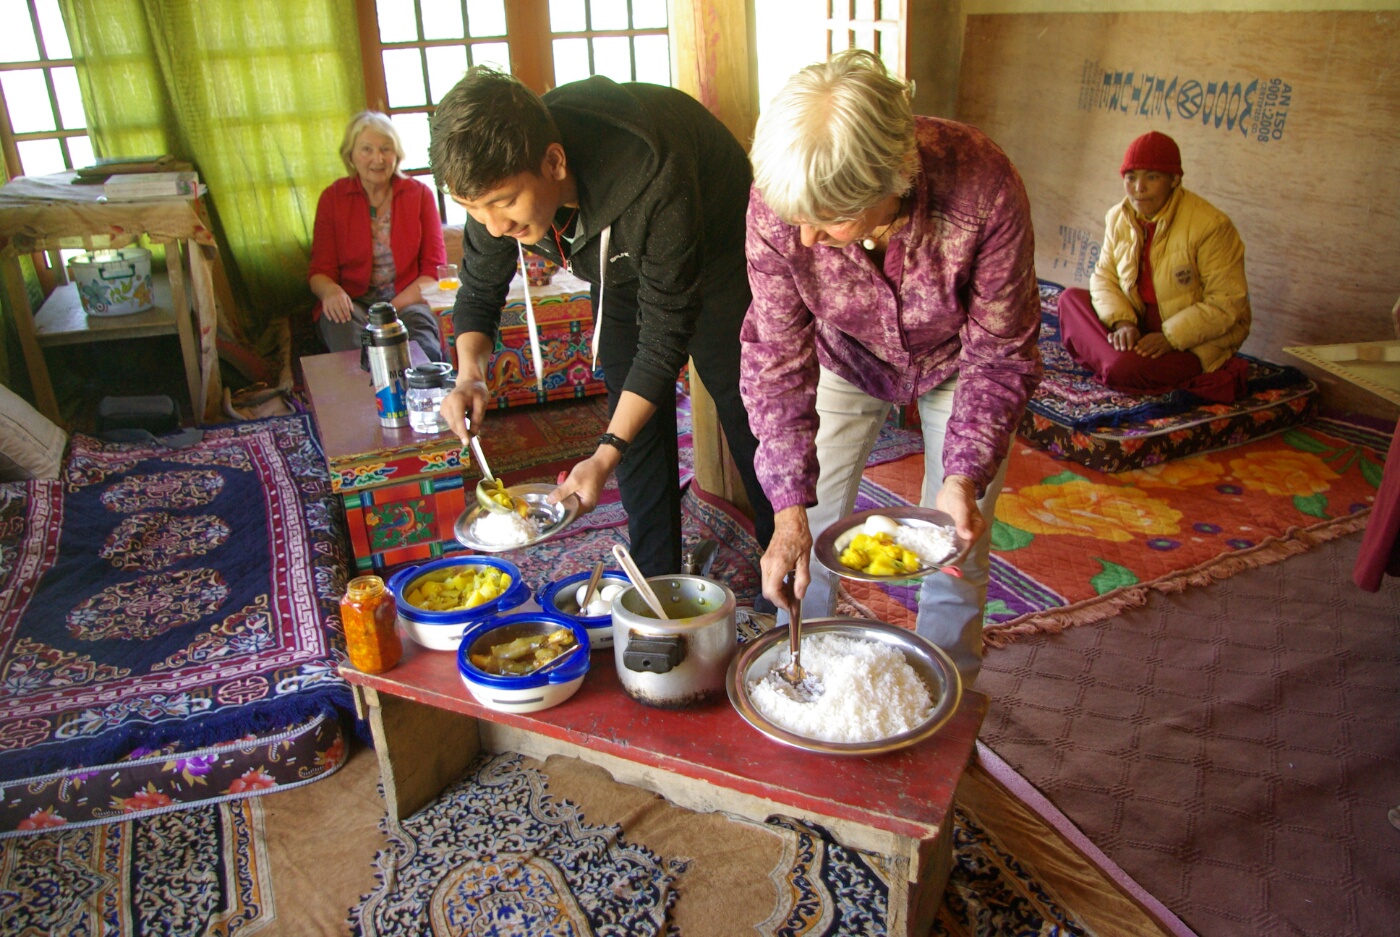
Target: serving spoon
x=486 y=488
x=791 y=680
x=634 y=573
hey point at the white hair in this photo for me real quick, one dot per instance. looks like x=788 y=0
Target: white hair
x=835 y=140
x=378 y=122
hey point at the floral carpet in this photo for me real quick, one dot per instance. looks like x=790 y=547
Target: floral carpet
x=153 y=595
x=1074 y=546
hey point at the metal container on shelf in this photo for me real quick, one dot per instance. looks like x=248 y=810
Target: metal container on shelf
x=113 y=282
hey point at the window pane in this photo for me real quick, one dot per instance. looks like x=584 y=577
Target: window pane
x=403 y=76
x=653 y=59
x=80 y=149
x=442 y=19
x=865 y=10
x=452 y=213
x=865 y=38
x=889 y=54
x=566 y=16
x=27 y=96
x=570 y=60
x=492 y=53
x=396 y=22
x=40 y=157
x=413 y=131
x=486 y=17
x=51 y=25
x=612 y=56
x=17 y=43
x=446 y=65
x=648 y=14
x=70 y=100
x=609 y=14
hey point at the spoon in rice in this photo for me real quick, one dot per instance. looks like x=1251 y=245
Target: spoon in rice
x=791 y=680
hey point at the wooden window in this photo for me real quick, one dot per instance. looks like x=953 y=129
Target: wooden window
x=42 y=125
x=874 y=25
x=413 y=51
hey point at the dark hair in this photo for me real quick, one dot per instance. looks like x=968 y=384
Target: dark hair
x=487 y=128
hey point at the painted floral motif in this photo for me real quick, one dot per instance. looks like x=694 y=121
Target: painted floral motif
x=149 y=606
x=148 y=799
x=45 y=818
x=1281 y=472
x=1183 y=473
x=1084 y=509
x=155 y=540
x=33 y=666
x=180 y=490
x=255 y=779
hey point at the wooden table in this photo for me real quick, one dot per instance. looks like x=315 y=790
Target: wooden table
x=427 y=728
x=48 y=213
x=402 y=490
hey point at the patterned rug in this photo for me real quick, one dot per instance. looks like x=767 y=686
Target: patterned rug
x=198 y=871
x=497 y=854
x=1072 y=546
x=154 y=595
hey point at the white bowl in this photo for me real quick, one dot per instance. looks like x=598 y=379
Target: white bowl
x=529 y=692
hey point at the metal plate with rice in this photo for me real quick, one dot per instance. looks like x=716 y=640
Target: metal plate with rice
x=834 y=540
x=552 y=518
x=758 y=657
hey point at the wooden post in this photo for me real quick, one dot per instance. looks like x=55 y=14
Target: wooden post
x=713 y=60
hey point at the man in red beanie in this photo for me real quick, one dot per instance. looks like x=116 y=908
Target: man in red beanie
x=1167 y=305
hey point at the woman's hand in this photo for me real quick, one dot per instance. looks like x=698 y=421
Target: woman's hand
x=337 y=304
x=467 y=400
x=1124 y=337
x=788 y=552
x=958 y=499
x=1153 y=345
x=587 y=478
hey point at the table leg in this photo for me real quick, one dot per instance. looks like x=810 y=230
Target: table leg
x=29 y=338
x=421 y=749
x=189 y=346
x=207 y=316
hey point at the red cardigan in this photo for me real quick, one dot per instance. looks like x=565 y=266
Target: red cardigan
x=343 y=249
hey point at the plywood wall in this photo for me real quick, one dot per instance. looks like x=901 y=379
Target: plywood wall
x=1289 y=122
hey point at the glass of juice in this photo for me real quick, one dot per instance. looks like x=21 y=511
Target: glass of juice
x=447 y=277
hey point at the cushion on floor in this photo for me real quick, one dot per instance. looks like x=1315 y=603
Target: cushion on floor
x=1074 y=416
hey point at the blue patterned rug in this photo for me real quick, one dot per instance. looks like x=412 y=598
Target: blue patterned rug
x=496 y=854
x=153 y=595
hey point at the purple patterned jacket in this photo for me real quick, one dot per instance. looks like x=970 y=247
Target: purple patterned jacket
x=957 y=295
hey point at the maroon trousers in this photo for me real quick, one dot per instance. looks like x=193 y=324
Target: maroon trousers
x=1086 y=340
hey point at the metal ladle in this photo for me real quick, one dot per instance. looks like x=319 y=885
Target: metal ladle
x=634 y=573
x=487 y=484
x=792 y=681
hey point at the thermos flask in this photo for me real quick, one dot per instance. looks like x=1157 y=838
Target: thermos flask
x=386 y=342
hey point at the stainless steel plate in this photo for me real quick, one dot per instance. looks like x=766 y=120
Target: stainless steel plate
x=552 y=518
x=838 y=536
x=758 y=657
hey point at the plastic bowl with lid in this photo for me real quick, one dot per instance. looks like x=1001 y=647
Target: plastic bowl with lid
x=527 y=692
x=442 y=631
x=561 y=596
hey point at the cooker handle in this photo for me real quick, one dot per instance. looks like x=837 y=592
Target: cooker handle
x=653 y=653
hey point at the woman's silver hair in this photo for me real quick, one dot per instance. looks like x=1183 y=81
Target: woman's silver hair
x=378 y=122
x=835 y=140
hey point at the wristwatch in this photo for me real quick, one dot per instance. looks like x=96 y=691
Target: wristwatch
x=617 y=442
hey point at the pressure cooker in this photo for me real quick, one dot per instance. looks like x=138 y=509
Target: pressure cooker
x=680 y=660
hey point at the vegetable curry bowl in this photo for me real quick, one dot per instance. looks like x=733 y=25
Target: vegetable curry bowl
x=524 y=662
x=439 y=600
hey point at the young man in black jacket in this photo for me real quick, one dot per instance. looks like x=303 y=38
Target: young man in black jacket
x=640 y=191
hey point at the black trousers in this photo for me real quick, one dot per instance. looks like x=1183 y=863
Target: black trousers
x=649 y=478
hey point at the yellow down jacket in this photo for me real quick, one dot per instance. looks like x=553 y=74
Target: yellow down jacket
x=1197 y=269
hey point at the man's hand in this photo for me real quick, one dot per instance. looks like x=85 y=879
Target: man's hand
x=789 y=551
x=587 y=479
x=958 y=499
x=1124 y=337
x=1153 y=345
x=467 y=399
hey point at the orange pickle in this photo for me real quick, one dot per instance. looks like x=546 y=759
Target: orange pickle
x=368 y=614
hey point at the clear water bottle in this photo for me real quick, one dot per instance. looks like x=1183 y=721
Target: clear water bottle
x=386 y=341
x=425 y=393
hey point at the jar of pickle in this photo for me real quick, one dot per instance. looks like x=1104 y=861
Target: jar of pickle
x=368 y=613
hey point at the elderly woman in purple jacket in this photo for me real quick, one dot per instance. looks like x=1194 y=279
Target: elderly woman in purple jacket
x=891 y=262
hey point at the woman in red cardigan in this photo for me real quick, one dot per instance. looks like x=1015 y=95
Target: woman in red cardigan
x=377 y=238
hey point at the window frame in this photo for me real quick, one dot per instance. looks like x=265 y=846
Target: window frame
x=9 y=139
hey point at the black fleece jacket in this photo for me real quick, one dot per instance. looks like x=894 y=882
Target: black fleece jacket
x=672 y=182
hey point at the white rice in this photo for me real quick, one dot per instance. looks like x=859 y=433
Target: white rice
x=504 y=529
x=934 y=543
x=869 y=692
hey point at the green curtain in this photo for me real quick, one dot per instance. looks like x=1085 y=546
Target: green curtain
x=255 y=93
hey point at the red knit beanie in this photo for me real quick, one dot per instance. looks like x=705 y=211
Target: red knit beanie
x=1155 y=152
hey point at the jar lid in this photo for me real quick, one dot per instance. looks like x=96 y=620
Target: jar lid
x=421 y=377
